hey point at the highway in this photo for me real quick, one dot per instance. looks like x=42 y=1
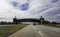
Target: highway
x=25 y=32
x=46 y=31
x=37 y=31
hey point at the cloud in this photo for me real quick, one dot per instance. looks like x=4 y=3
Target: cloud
x=30 y=9
x=54 y=1
x=24 y=6
x=20 y=6
x=58 y=15
x=14 y=3
x=52 y=14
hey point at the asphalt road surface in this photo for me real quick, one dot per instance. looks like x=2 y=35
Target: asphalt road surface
x=25 y=32
x=37 y=31
x=46 y=31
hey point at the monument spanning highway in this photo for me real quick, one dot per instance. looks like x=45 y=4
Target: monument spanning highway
x=28 y=20
x=37 y=31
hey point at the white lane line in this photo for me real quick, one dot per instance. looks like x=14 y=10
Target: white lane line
x=37 y=30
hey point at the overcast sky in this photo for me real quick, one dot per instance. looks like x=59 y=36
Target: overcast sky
x=49 y=9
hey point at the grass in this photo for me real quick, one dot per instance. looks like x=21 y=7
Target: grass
x=57 y=25
x=7 y=30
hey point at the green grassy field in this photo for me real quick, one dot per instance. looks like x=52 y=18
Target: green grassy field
x=6 y=30
x=57 y=25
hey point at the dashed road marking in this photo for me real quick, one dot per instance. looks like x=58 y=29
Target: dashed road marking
x=37 y=30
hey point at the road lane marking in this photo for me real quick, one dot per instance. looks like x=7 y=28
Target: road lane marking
x=37 y=30
x=15 y=35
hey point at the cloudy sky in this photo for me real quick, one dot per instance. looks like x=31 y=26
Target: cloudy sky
x=49 y=9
